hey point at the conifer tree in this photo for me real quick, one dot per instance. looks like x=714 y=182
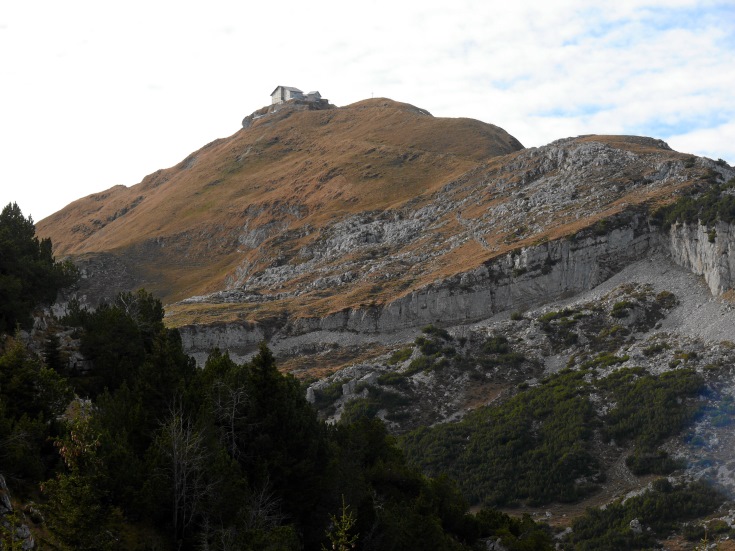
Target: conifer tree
x=29 y=275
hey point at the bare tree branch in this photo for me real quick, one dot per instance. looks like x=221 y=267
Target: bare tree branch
x=264 y=508
x=187 y=458
x=228 y=403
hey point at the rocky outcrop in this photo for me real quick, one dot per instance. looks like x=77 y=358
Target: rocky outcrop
x=12 y=529
x=238 y=339
x=466 y=231
x=102 y=277
x=287 y=107
x=523 y=278
x=706 y=251
x=527 y=277
x=554 y=184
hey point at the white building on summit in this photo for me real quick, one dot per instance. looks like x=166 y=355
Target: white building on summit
x=286 y=93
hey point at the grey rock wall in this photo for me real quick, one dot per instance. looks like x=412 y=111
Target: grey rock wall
x=709 y=252
x=519 y=280
x=238 y=339
x=522 y=279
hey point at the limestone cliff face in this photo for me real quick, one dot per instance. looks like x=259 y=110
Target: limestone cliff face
x=520 y=230
x=524 y=278
x=709 y=252
x=236 y=338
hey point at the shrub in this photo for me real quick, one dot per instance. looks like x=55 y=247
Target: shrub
x=327 y=395
x=369 y=406
x=428 y=347
x=620 y=309
x=400 y=356
x=660 y=509
x=422 y=363
x=603 y=360
x=651 y=408
x=706 y=207
x=601 y=228
x=437 y=332
x=534 y=447
x=497 y=344
x=392 y=379
x=653 y=463
x=655 y=349
x=357 y=409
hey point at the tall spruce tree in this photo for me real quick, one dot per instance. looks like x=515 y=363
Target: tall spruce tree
x=29 y=275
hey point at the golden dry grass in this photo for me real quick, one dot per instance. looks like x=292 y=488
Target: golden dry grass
x=301 y=167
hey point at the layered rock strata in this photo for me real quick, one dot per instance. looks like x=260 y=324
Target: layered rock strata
x=525 y=278
x=705 y=251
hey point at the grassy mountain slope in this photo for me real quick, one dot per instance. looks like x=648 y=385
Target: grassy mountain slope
x=303 y=213
x=180 y=229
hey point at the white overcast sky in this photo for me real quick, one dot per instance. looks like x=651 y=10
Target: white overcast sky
x=95 y=94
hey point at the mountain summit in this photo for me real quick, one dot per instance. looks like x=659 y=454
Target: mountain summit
x=228 y=208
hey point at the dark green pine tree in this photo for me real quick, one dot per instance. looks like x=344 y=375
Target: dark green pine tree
x=287 y=445
x=29 y=275
x=52 y=352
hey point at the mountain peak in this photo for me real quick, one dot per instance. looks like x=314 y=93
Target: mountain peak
x=386 y=103
x=311 y=209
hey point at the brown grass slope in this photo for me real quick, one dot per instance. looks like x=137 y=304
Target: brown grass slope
x=179 y=230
